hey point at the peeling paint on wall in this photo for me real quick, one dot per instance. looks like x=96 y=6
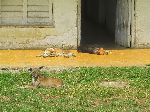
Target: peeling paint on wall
x=64 y=32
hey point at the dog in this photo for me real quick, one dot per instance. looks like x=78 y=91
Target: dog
x=38 y=80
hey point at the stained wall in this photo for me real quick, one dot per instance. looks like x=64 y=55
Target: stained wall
x=63 y=33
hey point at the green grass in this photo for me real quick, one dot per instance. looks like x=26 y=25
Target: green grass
x=81 y=93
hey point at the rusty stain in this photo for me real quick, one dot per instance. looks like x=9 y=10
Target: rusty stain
x=26 y=58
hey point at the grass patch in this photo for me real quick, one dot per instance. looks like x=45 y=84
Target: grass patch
x=82 y=91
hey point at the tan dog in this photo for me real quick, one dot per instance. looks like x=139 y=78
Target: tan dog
x=38 y=80
x=101 y=51
x=56 y=52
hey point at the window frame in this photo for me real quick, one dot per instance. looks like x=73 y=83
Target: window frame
x=25 y=22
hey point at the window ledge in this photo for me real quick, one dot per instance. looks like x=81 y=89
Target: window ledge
x=28 y=26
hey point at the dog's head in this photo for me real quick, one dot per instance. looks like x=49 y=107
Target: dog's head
x=35 y=72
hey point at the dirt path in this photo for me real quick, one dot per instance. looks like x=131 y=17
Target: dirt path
x=27 y=58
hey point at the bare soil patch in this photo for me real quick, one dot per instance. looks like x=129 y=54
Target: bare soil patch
x=114 y=84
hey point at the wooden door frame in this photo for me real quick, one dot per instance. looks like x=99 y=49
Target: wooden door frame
x=133 y=23
x=78 y=23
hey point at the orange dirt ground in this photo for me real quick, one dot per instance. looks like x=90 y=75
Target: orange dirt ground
x=27 y=58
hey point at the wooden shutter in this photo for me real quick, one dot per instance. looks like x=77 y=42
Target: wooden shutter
x=11 y=12
x=26 y=12
x=39 y=12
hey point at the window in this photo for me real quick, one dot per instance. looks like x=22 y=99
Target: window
x=26 y=12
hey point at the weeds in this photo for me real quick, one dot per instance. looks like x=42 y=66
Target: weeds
x=82 y=91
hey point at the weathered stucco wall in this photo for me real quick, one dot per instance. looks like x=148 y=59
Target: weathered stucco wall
x=142 y=20
x=64 y=31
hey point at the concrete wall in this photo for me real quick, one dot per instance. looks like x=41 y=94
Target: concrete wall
x=64 y=31
x=142 y=23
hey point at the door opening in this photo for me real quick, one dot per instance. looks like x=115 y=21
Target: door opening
x=98 y=23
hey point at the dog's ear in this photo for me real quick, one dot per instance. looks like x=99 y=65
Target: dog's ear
x=30 y=69
x=41 y=67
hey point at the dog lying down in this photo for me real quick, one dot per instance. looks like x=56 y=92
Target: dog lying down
x=38 y=80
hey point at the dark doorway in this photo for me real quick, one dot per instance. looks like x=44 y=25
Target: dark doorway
x=98 y=19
